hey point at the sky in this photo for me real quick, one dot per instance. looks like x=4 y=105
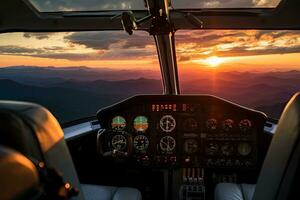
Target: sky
x=224 y=50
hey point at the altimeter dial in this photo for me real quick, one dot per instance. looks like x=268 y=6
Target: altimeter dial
x=167 y=123
x=167 y=144
x=119 y=142
x=140 y=143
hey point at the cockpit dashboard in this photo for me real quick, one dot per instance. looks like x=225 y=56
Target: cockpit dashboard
x=190 y=131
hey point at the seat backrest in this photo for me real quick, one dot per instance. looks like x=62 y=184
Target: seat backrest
x=19 y=176
x=34 y=131
x=280 y=171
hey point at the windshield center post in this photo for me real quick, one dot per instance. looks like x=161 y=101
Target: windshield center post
x=163 y=32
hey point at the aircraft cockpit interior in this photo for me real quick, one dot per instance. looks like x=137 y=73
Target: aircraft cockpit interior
x=149 y=99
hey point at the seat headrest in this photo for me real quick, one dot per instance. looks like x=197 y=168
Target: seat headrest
x=24 y=117
x=19 y=176
x=34 y=131
x=282 y=160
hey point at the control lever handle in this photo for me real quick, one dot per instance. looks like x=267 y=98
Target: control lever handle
x=115 y=153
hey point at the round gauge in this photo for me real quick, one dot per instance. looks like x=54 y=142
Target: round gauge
x=118 y=123
x=245 y=125
x=212 y=124
x=167 y=123
x=212 y=148
x=227 y=149
x=167 y=144
x=190 y=124
x=228 y=125
x=244 y=149
x=119 y=142
x=140 y=123
x=190 y=146
x=140 y=142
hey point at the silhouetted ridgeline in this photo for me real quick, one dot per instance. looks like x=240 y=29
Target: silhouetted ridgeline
x=72 y=93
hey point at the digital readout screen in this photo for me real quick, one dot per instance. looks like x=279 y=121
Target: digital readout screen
x=172 y=107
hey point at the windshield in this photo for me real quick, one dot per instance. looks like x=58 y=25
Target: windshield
x=104 y=5
x=258 y=69
x=75 y=74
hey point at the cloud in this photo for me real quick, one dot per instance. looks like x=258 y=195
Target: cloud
x=106 y=39
x=113 y=45
x=54 y=52
x=203 y=44
x=116 y=45
x=39 y=36
x=12 y=49
x=184 y=58
x=69 y=56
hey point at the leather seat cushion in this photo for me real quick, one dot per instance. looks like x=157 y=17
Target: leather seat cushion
x=97 y=192
x=230 y=191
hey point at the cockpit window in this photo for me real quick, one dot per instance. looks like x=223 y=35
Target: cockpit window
x=192 y=4
x=101 y=5
x=255 y=68
x=76 y=73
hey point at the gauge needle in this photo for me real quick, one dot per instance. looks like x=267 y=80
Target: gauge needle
x=165 y=143
x=167 y=124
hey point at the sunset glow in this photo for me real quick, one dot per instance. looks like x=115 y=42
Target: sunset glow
x=213 y=61
x=215 y=49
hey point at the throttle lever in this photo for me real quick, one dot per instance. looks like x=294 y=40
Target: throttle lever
x=115 y=153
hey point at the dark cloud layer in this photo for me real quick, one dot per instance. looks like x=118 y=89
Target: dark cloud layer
x=12 y=49
x=104 y=40
x=39 y=36
x=113 y=45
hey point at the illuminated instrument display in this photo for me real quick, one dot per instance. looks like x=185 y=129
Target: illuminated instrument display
x=119 y=142
x=163 y=107
x=188 y=131
x=140 y=123
x=244 y=149
x=228 y=125
x=212 y=124
x=140 y=143
x=118 y=123
x=245 y=125
x=167 y=123
x=167 y=144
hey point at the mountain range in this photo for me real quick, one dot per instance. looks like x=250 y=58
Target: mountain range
x=76 y=92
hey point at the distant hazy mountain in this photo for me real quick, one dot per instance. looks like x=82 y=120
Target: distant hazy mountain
x=55 y=74
x=76 y=92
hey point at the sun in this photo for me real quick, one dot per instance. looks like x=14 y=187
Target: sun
x=213 y=61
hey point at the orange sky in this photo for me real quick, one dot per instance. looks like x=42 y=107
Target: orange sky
x=222 y=50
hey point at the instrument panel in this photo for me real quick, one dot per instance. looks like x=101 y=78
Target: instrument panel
x=185 y=130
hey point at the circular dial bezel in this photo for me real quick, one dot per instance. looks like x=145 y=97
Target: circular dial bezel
x=167 y=144
x=245 y=125
x=117 y=141
x=118 y=123
x=190 y=124
x=167 y=123
x=136 y=144
x=140 y=123
x=227 y=149
x=191 y=146
x=212 y=148
x=244 y=149
x=211 y=124
x=228 y=125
